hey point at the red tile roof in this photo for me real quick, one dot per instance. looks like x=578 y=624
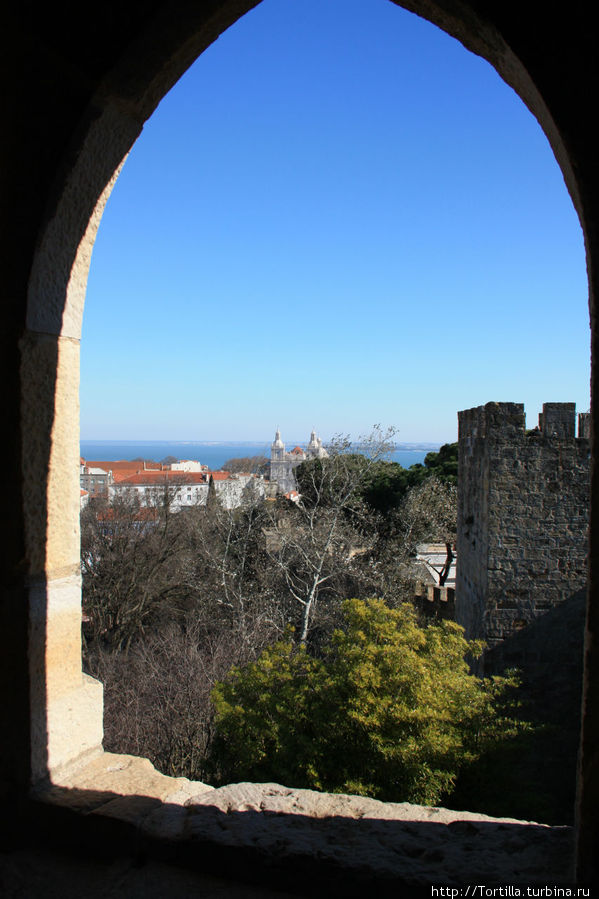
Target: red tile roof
x=125 y=464
x=116 y=465
x=150 y=477
x=297 y=449
x=146 y=513
x=118 y=476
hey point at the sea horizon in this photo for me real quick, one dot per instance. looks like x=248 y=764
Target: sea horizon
x=215 y=453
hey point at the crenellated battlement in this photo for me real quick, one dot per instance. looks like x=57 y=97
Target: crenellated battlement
x=558 y=420
x=495 y=420
x=506 y=422
x=584 y=425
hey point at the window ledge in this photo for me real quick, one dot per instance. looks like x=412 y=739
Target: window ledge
x=299 y=835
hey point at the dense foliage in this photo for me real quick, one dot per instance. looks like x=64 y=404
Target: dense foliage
x=444 y=464
x=389 y=710
x=383 y=485
x=254 y=464
x=388 y=482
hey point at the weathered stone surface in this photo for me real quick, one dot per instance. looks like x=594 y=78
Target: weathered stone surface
x=74 y=725
x=284 y=827
x=55 y=628
x=58 y=279
x=66 y=707
x=127 y=775
x=50 y=375
x=523 y=514
x=400 y=841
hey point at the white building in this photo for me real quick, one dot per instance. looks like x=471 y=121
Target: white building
x=185 y=483
x=187 y=465
x=184 y=489
x=95 y=481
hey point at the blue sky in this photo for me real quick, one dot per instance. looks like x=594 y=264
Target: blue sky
x=333 y=221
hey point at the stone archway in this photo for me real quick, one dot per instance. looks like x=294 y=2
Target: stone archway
x=91 y=109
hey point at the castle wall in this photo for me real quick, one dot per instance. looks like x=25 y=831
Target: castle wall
x=523 y=503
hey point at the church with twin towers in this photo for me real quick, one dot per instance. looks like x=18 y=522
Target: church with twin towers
x=282 y=463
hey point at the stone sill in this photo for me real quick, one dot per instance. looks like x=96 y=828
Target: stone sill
x=301 y=840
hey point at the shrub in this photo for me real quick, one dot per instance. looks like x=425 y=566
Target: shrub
x=390 y=710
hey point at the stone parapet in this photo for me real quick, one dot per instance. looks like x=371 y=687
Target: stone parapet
x=311 y=842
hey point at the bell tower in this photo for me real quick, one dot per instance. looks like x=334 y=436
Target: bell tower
x=277 y=448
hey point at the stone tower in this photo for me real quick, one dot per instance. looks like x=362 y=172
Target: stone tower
x=277 y=448
x=280 y=468
x=523 y=501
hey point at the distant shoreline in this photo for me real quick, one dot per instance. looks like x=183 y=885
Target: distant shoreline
x=398 y=446
x=214 y=453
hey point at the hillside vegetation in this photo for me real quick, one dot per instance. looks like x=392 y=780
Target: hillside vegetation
x=247 y=643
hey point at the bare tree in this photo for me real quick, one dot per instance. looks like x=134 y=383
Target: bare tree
x=227 y=570
x=428 y=513
x=157 y=694
x=130 y=560
x=320 y=540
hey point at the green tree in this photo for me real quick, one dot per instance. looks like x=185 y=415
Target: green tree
x=254 y=464
x=444 y=464
x=390 y=710
x=387 y=483
x=212 y=500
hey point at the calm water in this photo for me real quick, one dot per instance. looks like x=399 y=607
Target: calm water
x=212 y=454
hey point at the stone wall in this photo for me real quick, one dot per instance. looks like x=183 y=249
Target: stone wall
x=522 y=515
